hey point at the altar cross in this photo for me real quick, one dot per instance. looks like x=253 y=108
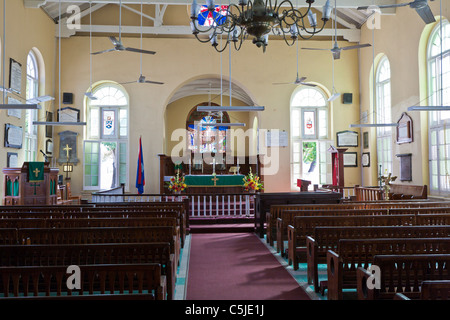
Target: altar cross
x=67 y=149
x=215 y=179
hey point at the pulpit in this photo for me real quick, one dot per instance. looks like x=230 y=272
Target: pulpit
x=33 y=184
x=337 y=162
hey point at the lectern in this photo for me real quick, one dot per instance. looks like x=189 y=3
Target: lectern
x=33 y=184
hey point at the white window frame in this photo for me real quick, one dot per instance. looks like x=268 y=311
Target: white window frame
x=383 y=115
x=120 y=140
x=321 y=140
x=30 y=136
x=439 y=121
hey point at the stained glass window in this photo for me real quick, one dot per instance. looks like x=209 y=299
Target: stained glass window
x=202 y=138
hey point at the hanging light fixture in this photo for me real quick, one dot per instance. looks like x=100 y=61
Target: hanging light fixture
x=436 y=108
x=89 y=94
x=4 y=90
x=230 y=108
x=51 y=123
x=373 y=125
x=257 y=19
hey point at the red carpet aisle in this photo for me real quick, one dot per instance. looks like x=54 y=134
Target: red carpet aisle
x=237 y=266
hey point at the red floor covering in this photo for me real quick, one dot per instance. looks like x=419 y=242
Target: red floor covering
x=237 y=266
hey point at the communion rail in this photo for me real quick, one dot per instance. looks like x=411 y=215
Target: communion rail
x=200 y=205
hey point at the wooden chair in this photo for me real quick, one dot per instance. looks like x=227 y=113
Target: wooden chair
x=70 y=196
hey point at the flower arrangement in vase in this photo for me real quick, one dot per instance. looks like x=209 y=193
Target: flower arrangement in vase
x=252 y=182
x=177 y=184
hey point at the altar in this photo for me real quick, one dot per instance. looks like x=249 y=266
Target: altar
x=208 y=183
x=210 y=178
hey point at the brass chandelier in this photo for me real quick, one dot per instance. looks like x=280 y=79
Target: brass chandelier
x=235 y=23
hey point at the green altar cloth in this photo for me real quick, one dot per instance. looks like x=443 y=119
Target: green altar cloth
x=221 y=180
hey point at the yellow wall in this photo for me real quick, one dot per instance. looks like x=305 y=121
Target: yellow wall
x=401 y=38
x=27 y=29
x=178 y=61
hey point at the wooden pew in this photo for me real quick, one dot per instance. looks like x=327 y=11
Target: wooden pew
x=406 y=191
x=350 y=254
x=327 y=238
x=264 y=201
x=430 y=290
x=303 y=226
x=100 y=235
x=402 y=274
x=287 y=217
x=86 y=215
x=82 y=254
x=107 y=279
x=276 y=210
x=9 y=236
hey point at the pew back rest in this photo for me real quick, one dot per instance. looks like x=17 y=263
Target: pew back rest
x=354 y=253
x=403 y=274
x=326 y=238
x=305 y=226
x=405 y=191
x=80 y=254
x=95 y=279
x=96 y=235
x=435 y=290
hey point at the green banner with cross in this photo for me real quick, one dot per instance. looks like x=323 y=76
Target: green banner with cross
x=35 y=171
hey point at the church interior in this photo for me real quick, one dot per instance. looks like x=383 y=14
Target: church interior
x=225 y=131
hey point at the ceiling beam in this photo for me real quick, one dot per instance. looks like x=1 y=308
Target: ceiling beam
x=301 y=3
x=351 y=35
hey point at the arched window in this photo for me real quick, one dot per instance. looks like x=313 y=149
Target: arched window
x=384 y=115
x=106 y=147
x=310 y=137
x=32 y=91
x=438 y=62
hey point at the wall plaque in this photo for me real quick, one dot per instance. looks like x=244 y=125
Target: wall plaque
x=405 y=166
x=347 y=138
x=13 y=136
x=404 y=129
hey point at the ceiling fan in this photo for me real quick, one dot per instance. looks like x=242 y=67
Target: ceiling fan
x=336 y=50
x=141 y=78
x=421 y=7
x=118 y=46
x=298 y=80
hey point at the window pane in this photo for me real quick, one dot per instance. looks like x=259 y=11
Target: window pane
x=108 y=165
x=123 y=122
x=94 y=124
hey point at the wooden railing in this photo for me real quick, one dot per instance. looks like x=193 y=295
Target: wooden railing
x=348 y=193
x=200 y=205
x=368 y=193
